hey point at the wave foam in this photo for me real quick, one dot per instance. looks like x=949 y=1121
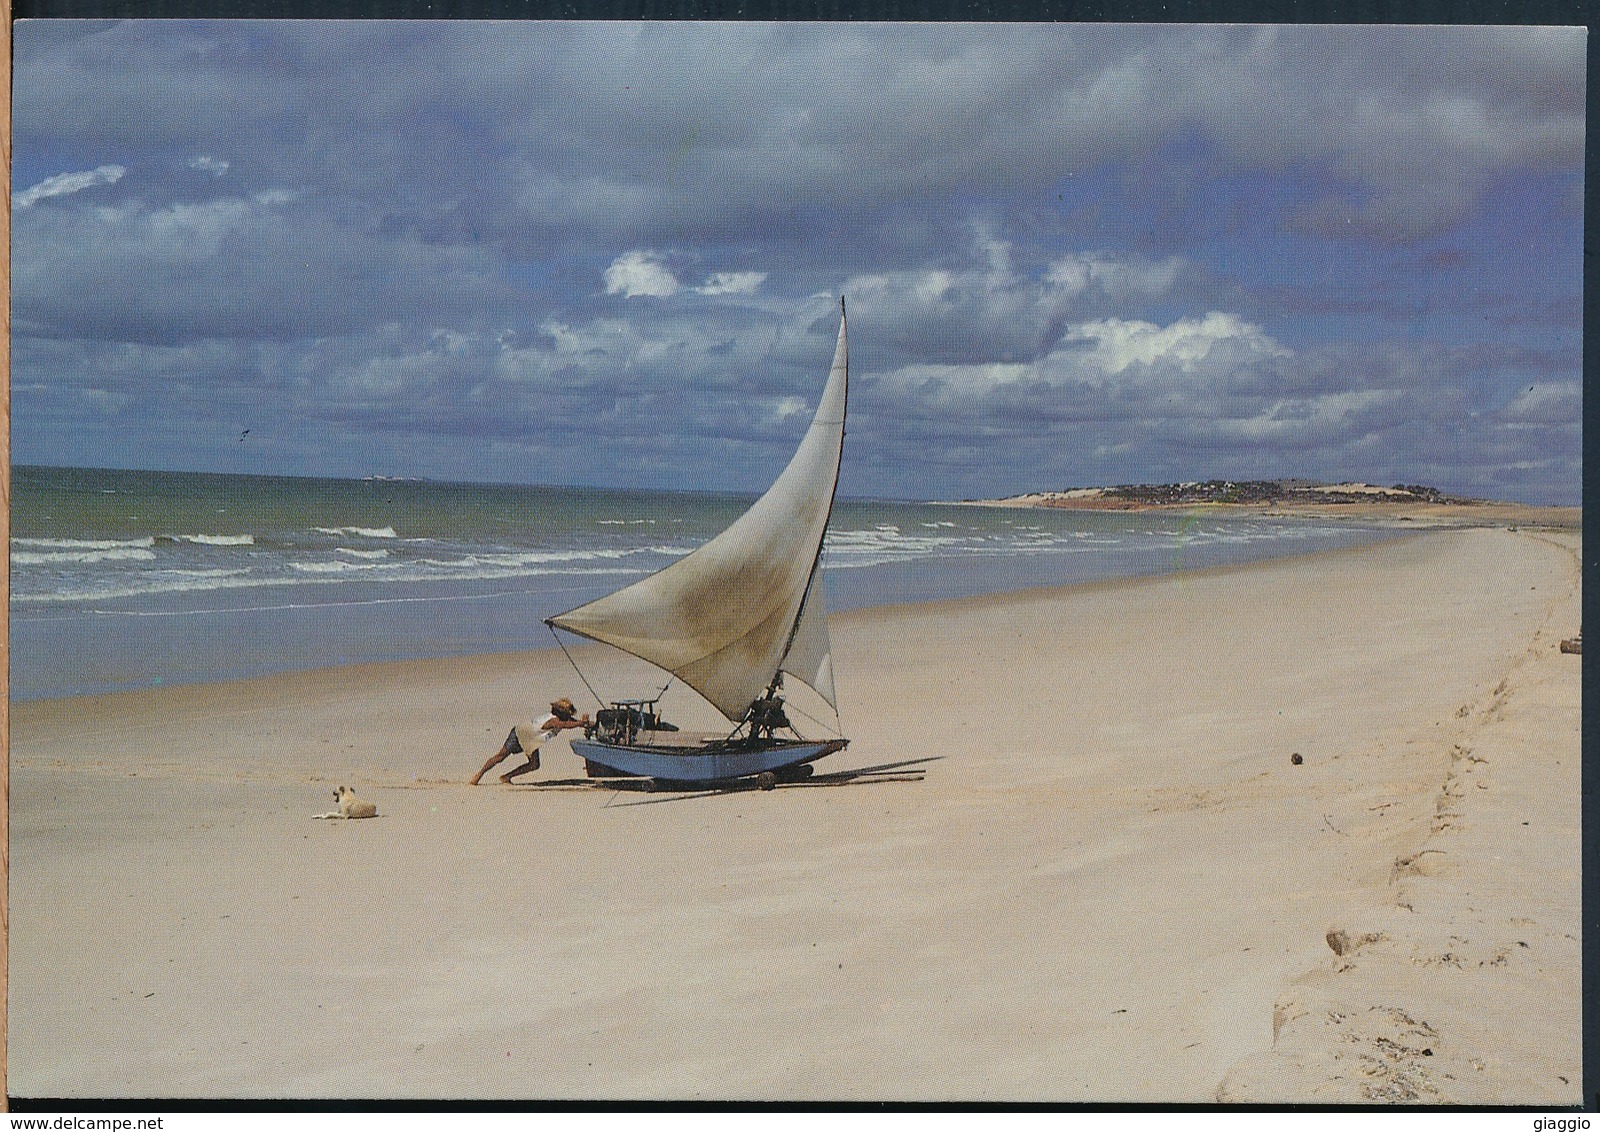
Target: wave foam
x=214 y=540
x=359 y=532
x=330 y=567
x=85 y=543
x=80 y=557
x=525 y=558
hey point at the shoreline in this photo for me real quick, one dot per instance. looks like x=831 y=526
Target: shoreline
x=373 y=668
x=1110 y=885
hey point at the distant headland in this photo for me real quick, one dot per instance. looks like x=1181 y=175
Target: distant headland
x=1403 y=502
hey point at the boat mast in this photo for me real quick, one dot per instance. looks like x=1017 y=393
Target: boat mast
x=679 y=618
x=816 y=573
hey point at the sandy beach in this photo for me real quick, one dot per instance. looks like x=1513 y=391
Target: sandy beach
x=1112 y=884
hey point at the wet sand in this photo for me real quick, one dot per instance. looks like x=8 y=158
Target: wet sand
x=1110 y=883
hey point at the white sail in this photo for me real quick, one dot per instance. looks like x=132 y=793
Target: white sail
x=727 y=617
x=811 y=653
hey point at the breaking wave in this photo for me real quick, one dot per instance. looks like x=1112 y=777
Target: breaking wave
x=360 y=532
x=214 y=540
x=85 y=544
x=80 y=557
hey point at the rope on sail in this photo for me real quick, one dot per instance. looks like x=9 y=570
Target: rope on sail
x=575 y=667
x=836 y=729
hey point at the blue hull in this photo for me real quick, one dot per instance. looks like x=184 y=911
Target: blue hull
x=713 y=764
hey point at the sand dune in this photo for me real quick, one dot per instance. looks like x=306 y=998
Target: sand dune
x=1111 y=884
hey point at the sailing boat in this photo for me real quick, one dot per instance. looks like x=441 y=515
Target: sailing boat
x=730 y=620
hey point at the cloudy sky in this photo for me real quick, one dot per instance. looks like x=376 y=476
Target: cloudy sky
x=611 y=253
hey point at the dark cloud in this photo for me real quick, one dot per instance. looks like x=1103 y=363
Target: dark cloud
x=702 y=129
x=270 y=266
x=1073 y=250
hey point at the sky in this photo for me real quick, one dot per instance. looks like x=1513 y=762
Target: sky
x=611 y=254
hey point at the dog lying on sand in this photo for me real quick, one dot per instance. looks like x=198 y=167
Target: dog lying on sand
x=350 y=806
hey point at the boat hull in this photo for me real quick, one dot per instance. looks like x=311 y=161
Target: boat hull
x=713 y=763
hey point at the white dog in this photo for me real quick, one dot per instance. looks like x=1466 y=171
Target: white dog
x=350 y=806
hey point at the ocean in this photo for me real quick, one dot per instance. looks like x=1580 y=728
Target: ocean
x=133 y=579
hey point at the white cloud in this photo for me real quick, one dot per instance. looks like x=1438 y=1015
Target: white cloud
x=65 y=183
x=1335 y=418
x=1015 y=308
x=635 y=274
x=919 y=286
x=1546 y=402
x=785 y=407
x=732 y=283
x=897 y=295
x=1117 y=276
x=567 y=339
x=1119 y=343
x=216 y=166
x=938 y=384
x=933 y=286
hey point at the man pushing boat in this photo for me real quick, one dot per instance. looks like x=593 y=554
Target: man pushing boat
x=527 y=738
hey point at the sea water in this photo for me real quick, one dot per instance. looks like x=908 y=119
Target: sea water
x=132 y=579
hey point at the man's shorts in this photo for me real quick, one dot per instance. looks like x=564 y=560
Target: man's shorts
x=525 y=737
